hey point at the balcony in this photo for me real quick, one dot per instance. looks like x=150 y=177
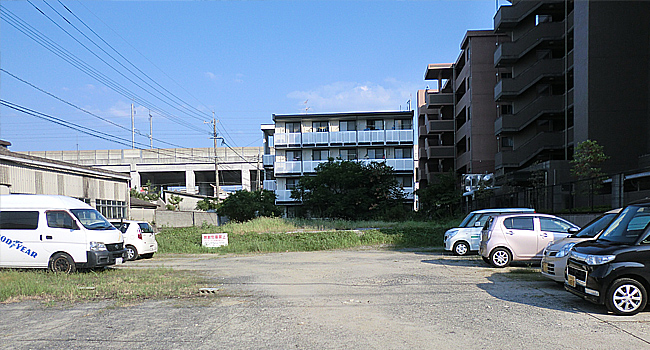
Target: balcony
x=440 y=98
x=408 y=192
x=534 y=110
x=309 y=166
x=283 y=196
x=270 y=185
x=371 y=136
x=343 y=137
x=440 y=152
x=520 y=155
x=509 y=16
x=293 y=167
x=536 y=72
x=399 y=136
x=287 y=139
x=315 y=138
x=268 y=159
x=404 y=164
x=509 y=52
x=438 y=126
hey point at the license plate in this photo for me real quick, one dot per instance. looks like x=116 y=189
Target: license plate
x=571 y=280
x=118 y=261
x=545 y=267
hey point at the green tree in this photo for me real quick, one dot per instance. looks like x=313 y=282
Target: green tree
x=149 y=192
x=207 y=204
x=441 y=198
x=174 y=202
x=244 y=205
x=587 y=158
x=350 y=190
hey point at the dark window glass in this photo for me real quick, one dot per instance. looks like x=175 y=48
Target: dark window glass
x=553 y=225
x=18 y=220
x=522 y=223
x=145 y=227
x=58 y=219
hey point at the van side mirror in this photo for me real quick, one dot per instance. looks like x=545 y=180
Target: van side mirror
x=573 y=230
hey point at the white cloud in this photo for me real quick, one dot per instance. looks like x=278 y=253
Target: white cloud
x=210 y=75
x=353 y=96
x=122 y=109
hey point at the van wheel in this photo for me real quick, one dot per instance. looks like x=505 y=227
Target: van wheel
x=131 y=253
x=500 y=257
x=461 y=248
x=626 y=297
x=62 y=262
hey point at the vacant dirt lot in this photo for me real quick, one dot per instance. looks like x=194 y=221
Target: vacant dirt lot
x=367 y=299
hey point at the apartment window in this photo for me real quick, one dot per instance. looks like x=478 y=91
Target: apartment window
x=348 y=125
x=374 y=124
x=469 y=112
x=404 y=181
x=292 y=183
x=320 y=127
x=507 y=141
x=543 y=19
x=402 y=153
x=320 y=154
x=506 y=109
x=294 y=155
x=403 y=124
x=375 y=153
x=348 y=154
x=292 y=127
x=506 y=75
x=111 y=209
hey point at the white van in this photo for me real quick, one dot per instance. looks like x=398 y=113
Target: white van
x=467 y=236
x=56 y=232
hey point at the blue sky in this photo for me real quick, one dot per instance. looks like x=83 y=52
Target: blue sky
x=244 y=60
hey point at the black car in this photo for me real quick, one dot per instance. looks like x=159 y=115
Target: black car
x=615 y=269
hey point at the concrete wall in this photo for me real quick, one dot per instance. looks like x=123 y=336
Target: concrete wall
x=184 y=218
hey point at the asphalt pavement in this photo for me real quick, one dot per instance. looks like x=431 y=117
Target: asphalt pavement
x=352 y=299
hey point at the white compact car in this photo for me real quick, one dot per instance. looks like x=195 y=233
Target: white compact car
x=467 y=236
x=139 y=238
x=520 y=237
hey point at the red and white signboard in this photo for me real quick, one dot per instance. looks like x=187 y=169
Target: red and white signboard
x=213 y=240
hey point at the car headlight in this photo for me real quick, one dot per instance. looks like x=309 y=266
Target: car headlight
x=97 y=246
x=564 y=251
x=599 y=259
x=451 y=233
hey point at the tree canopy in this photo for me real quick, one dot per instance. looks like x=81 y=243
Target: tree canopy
x=587 y=158
x=350 y=190
x=243 y=205
x=441 y=198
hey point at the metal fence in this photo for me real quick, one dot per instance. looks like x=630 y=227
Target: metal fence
x=591 y=195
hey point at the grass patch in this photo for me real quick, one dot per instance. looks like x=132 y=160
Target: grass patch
x=279 y=235
x=117 y=284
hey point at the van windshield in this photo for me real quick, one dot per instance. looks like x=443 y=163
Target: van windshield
x=92 y=219
x=467 y=219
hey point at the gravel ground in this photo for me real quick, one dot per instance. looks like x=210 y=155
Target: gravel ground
x=353 y=299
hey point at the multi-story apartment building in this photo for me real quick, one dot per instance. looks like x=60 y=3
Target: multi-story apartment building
x=456 y=120
x=297 y=143
x=572 y=71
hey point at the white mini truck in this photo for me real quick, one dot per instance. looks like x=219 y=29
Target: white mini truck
x=56 y=232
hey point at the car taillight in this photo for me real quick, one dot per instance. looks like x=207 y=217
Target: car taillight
x=139 y=234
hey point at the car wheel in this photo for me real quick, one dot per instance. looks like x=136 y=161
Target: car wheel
x=626 y=297
x=131 y=253
x=62 y=262
x=500 y=257
x=461 y=248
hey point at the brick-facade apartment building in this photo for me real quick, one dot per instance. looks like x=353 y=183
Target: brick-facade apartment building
x=562 y=72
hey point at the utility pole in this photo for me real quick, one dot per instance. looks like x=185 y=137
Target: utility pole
x=132 y=128
x=150 y=130
x=216 y=161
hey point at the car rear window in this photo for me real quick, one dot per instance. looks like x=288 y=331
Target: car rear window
x=18 y=220
x=519 y=223
x=145 y=227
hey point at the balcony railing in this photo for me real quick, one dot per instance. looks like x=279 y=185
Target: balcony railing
x=283 y=196
x=309 y=166
x=408 y=192
x=537 y=144
x=268 y=159
x=509 y=16
x=270 y=185
x=292 y=167
x=521 y=119
x=311 y=139
x=538 y=71
x=440 y=152
x=511 y=51
x=440 y=98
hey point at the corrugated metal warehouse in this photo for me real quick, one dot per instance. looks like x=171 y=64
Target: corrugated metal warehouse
x=105 y=190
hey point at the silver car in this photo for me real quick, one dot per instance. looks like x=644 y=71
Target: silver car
x=520 y=237
x=556 y=253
